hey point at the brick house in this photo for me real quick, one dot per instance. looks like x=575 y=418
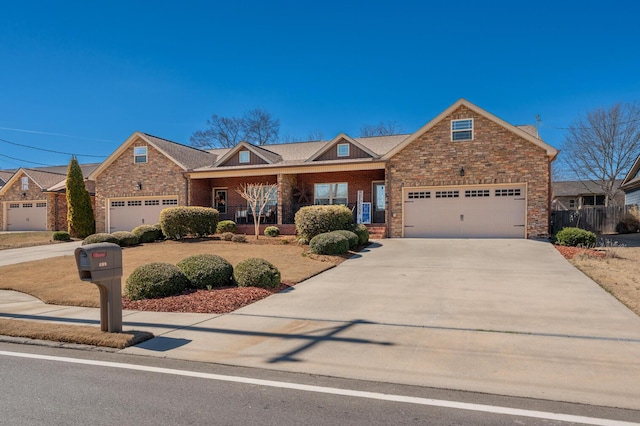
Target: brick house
x=34 y=199
x=466 y=173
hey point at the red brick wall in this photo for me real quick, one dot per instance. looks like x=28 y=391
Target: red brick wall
x=233 y=198
x=356 y=180
x=495 y=155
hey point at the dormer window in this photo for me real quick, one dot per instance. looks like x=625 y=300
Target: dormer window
x=25 y=183
x=244 y=157
x=462 y=130
x=343 y=150
x=139 y=154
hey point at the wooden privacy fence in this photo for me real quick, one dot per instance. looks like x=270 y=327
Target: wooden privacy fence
x=600 y=219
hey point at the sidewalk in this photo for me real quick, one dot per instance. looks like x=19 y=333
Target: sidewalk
x=480 y=316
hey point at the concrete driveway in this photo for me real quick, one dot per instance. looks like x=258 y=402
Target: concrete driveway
x=498 y=316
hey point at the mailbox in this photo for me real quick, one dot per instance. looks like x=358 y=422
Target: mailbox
x=101 y=264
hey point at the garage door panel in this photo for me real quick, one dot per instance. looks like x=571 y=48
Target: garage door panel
x=127 y=214
x=465 y=212
x=27 y=216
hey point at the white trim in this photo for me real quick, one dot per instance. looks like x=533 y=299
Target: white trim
x=260 y=170
x=335 y=141
x=145 y=155
x=458 y=131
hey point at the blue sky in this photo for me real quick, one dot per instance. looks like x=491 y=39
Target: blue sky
x=98 y=71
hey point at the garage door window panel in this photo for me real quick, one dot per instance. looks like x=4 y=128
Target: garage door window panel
x=331 y=193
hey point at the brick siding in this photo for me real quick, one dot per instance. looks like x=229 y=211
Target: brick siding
x=494 y=156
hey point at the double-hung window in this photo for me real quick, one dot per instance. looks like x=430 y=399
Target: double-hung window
x=139 y=154
x=462 y=130
x=25 y=183
x=330 y=193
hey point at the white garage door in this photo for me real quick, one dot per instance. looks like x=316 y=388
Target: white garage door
x=128 y=213
x=27 y=216
x=465 y=212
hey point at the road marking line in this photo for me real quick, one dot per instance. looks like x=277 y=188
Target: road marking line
x=334 y=391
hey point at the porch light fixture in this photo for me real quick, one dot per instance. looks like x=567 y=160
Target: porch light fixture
x=139 y=186
x=461 y=171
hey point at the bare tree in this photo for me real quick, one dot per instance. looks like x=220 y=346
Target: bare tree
x=313 y=136
x=256 y=126
x=257 y=196
x=601 y=145
x=383 y=128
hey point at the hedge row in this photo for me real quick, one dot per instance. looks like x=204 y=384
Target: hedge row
x=179 y=222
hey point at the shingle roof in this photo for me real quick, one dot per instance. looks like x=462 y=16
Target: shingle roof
x=5 y=175
x=188 y=157
x=289 y=154
x=579 y=187
x=45 y=179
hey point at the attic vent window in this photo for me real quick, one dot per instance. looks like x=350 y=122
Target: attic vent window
x=343 y=150
x=462 y=130
x=140 y=154
x=244 y=157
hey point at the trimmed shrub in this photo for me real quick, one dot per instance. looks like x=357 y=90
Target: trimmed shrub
x=154 y=280
x=329 y=243
x=61 y=236
x=239 y=238
x=147 y=233
x=80 y=218
x=303 y=241
x=100 y=238
x=271 y=231
x=179 y=222
x=314 y=220
x=227 y=236
x=226 y=226
x=126 y=238
x=255 y=272
x=352 y=237
x=159 y=228
x=363 y=233
x=205 y=270
x=575 y=237
x=629 y=223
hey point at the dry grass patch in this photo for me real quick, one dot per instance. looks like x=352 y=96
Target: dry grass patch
x=618 y=272
x=56 y=280
x=25 y=239
x=80 y=334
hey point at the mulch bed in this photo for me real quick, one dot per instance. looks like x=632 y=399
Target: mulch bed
x=571 y=252
x=215 y=301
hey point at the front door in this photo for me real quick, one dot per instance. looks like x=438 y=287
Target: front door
x=379 y=202
x=220 y=200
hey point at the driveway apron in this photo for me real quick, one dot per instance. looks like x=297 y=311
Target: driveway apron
x=508 y=317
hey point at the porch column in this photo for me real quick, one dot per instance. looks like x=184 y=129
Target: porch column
x=286 y=183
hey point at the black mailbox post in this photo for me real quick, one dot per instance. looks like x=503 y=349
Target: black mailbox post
x=101 y=264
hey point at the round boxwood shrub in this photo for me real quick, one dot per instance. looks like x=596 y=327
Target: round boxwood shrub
x=255 y=272
x=239 y=238
x=147 y=233
x=329 y=243
x=271 y=231
x=226 y=226
x=154 y=280
x=179 y=222
x=61 y=236
x=204 y=270
x=353 y=239
x=100 y=238
x=227 y=236
x=363 y=233
x=313 y=220
x=575 y=237
x=126 y=238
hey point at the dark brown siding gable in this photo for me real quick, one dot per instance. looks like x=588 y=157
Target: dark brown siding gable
x=332 y=153
x=235 y=160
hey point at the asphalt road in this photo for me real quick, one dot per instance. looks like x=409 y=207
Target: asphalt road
x=45 y=385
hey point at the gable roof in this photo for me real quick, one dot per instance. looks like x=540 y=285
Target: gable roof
x=49 y=178
x=341 y=137
x=5 y=175
x=268 y=156
x=573 y=188
x=42 y=179
x=551 y=151
x=632 y=179
x=183 y=156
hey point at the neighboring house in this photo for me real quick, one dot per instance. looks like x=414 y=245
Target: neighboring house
x=577 y=194
x=631 y=184
x=34 y=199
x=466 y=173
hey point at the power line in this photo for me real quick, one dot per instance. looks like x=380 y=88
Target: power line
x=50 y=150
x=53 y=134
x=24 y=161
